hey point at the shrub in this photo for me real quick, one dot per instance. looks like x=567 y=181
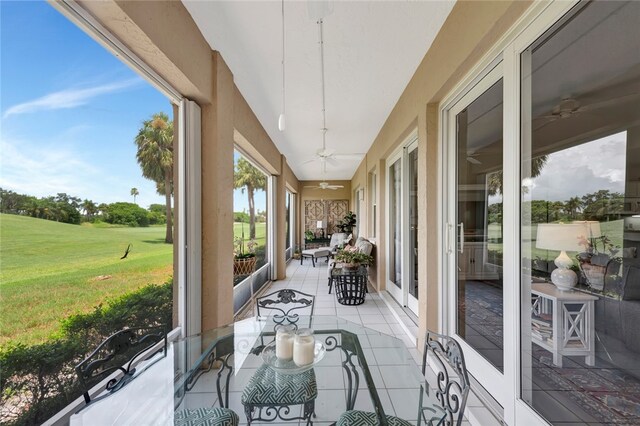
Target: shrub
x=127 y=214
x=38 y=381
x=157 y=214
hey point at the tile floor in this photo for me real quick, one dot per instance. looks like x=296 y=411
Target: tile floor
x=381 y=313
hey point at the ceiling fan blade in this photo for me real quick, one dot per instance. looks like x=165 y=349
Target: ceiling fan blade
x=335 y=186
x=309 y=161
x=348 y=156
x=331 y=188
x=332 y=161
x=473 y=160
x=312 y=187
x=609 y=102
x=540 y=122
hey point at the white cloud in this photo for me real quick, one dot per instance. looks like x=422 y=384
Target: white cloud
x=69 y=98
x=582 y=169
x=58 y=165
x=43 y=171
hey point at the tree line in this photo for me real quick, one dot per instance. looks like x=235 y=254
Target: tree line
x=69 y=209
x=602 y=205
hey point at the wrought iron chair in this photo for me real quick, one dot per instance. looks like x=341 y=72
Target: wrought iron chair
x=269 y=394
x=451 y=392
x=287 y=305
x=366 y=418
x=352 y=349
x=117 y=354
x=219 y=358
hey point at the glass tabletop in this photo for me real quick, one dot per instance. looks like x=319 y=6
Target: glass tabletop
x=340 y=270
x=362 y=369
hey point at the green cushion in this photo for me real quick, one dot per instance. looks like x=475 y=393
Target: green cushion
x=363 y=418
x=206 y=417
x=268 y=387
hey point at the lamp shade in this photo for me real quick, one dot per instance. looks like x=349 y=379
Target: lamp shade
x=593 y=228
x=561 y=236
x=319 y=224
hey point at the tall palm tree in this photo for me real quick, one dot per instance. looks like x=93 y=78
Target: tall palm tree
x=155 y=156
x=135 y=193
x=495 y=179
x=246 y=176
x=572 y=206
x=89 y=208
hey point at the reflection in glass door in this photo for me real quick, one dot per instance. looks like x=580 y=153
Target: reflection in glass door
x=475 y=303
x=394 y=261
x=412 y=249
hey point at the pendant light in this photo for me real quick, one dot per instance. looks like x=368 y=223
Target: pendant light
x=281 y=123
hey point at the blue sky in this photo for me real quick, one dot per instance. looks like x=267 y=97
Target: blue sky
x=69 y=110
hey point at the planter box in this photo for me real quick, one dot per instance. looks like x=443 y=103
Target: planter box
x=244 y=266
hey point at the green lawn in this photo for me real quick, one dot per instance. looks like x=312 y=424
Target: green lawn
x=261 y=230
x=50 y=270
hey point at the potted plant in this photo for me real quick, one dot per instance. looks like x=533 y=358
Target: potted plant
x=308 y=235
x=347 y=223
x=244 y=262
x=353 y=259
x=296 y=253
x=593 y=262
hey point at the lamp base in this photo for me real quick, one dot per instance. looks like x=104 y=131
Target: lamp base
x=564 y=278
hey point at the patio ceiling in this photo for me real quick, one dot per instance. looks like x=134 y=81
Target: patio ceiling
x=372 y=50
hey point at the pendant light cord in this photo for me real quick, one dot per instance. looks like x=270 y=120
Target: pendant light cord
x=324 y=117
x=283 y=56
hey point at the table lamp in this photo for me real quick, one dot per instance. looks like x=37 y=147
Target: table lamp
x=320 y=225
x=564 y=237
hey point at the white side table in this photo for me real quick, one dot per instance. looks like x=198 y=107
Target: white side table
x=572 y=322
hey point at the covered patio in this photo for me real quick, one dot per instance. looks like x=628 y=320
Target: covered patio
x=456 y=132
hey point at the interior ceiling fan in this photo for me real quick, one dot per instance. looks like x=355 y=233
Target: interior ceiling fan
x=471 y=157
x=324 y=155
x=569 y=107
x=325 y=185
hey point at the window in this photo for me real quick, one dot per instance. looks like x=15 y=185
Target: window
x=373 y=220
x=288 y=211
x=580 y=224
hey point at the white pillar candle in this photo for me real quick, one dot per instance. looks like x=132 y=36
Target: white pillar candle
x=284 y=342
x=304 y=347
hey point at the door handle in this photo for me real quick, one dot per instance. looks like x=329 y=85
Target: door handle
x=461 y=237
x=448 y=237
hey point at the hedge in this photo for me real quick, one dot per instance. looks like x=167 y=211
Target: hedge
x=38 y=381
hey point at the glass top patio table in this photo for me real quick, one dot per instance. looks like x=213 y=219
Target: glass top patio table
x=362 y=369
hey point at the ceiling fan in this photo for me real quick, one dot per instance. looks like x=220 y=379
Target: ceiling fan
x=569 y=107
x=471 y=157
x=325 y=185
x=324 y=155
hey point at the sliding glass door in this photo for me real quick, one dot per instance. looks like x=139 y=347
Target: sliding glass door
x=580 y=170
x=402 y=262
x=474 y=282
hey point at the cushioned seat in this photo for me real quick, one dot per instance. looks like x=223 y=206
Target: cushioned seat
x=337 y=239
x=267 y=387
x=315 y=254
x=363 y=418
x=206 y=417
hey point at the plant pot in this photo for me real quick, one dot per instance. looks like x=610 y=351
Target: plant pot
x=244 y=266
x=351 y=266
